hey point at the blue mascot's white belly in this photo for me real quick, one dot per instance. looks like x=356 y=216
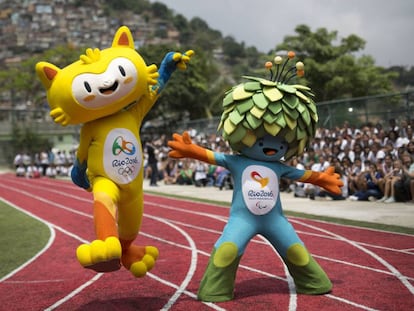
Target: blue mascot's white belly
x=260 y=188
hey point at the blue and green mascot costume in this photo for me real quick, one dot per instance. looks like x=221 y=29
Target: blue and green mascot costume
x=264 y=121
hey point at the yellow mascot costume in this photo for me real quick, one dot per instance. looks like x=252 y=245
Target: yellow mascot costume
x=109 y=92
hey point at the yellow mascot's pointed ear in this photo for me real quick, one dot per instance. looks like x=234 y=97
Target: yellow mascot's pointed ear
x=46 y=73
x=123 y=37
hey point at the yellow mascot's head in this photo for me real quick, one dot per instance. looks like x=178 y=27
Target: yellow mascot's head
x=99 y=84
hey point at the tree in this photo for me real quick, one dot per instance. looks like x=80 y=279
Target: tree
x=406 y=77
x=180 y=22
x=28 y=141
x=198 y=24
x=334 y=71
x=232 y=50
x=134 y=5
x=189 y=92
x=161 y=11
x=20 y=80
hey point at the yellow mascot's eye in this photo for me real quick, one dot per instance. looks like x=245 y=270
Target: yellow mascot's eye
x=122 y=70
x=87 y=86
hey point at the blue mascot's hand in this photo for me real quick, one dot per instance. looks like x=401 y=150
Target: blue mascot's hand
x=169 y=64
x=78 y=175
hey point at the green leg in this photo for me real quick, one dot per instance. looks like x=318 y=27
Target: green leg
x=218 y=281
x=308 y=276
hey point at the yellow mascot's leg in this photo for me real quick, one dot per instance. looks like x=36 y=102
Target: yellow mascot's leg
x=137 y=259
x=103 y=254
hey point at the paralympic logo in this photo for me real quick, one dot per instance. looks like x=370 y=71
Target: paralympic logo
x=263 y=181
x=121 y=145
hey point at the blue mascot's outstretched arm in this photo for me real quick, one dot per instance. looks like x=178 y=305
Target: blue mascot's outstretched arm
x=169 y=64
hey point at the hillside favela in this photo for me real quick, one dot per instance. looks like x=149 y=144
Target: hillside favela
x=31 y=27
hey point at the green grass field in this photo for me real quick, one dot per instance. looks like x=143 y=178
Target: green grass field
x=21 y=238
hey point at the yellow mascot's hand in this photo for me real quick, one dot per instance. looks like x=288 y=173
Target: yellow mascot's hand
x=183 y=59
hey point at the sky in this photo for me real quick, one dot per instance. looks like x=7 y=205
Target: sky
x=387 y=26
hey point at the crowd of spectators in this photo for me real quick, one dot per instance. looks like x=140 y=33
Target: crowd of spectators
x=49 y=163
x=185 y=171
x=375 y=162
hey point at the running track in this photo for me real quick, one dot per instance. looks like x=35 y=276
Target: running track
x=370 y=270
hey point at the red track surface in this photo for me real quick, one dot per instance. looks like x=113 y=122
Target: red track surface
x=370 y=270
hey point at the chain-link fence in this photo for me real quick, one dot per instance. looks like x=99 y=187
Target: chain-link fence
x=370 y=109
x=356 y=111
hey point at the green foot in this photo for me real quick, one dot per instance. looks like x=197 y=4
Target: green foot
x=217 y=284
x=310 y=279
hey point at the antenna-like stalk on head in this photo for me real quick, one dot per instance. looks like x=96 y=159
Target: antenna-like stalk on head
x=282 y=76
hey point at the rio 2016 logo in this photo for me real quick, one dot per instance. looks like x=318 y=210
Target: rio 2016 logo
x=125 y=166
x=120 y=145
x=122 y=156
x=263 y=181
x=260 y=189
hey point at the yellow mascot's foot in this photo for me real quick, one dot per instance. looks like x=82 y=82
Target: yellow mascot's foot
x=100 y=256
x=139 y=259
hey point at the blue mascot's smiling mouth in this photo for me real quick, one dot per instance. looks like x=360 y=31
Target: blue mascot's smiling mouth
x=109 y=90
x=269 y=151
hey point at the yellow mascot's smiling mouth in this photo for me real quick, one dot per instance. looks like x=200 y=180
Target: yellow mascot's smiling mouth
x=109 y=90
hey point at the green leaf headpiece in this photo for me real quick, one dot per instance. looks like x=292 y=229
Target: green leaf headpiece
x=260 y=106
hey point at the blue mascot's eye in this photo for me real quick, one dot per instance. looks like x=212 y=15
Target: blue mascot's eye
x=122 y=70
x=87 y=86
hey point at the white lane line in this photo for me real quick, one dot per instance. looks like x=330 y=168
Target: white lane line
x=327 y=236
x=173 y=299
x=357 y=305
x=89 y=216
x=192 y=267
x=69 y=185
x=52 y=237
x=293 y=297
x=403 y=279
x=354 y=226
x=188 y=293
x=187 y=211
x=74 y=292
x=310 y=226
x=324 y=236
x=257 y=241
x=346 y=263
x=289 y=280
x=198 y=213
x=43 y=250
x=208 y=255
x=42 y=199
x=168 y=207
x=35 y=281
x=179 y=289
x=72 y=187
x=397 y=250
